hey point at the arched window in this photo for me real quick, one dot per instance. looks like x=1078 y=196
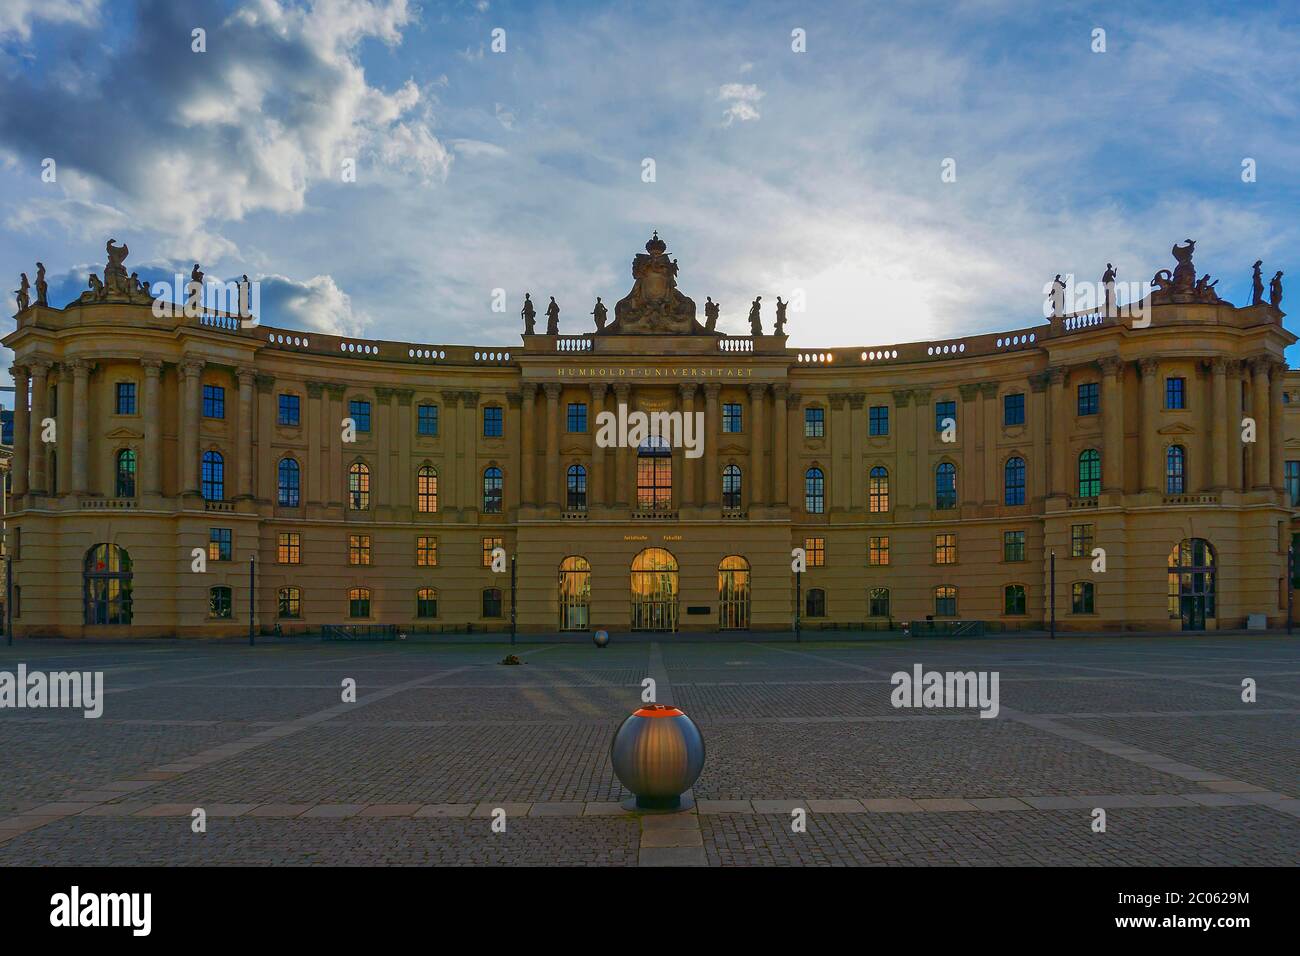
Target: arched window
x=1192 y=571
x=289 y=603
x=878 y=490
x=945 y=485
x=733 y=593
x=945 y=601
x=731 y=499
x=1013 y=599
x=1013 y=477
x=575 y=593
x=107 y=585
x=220 y=603
x=492 y=602
x=426 y=489
x=1175 y=470
x=654 y=475
x=359 y=487
x=1090 y=473
x=654 y=590
x=576 y=485
x=214 y=476
x=426 y=602
x=287 y=482
x=492 y=482
x=814 y=492
x=126 y=473
x=815 y=603
x=359 y=602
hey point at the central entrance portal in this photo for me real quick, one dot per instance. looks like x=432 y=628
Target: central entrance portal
x=654 y=591
x=575 y=594
x=1192 y=571
x=733 y=593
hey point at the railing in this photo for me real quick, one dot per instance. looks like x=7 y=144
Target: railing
x=98 y=504
x=734 y=514
x=574 y=515
x=1191 y=499
x=359 y=632
x=1083 y=502
x=654 y=515
x=946 y=628
x=218 y=505
x=214 y=320
x=736 y=343
x=573 y=343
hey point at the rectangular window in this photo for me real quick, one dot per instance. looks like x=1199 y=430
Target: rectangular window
x=1175 y=392
x=878 y=420
x=426 y=552
x=1014 y=600
x=426 y=420
x=288 y=547
x=815 y=550
x=1089 y=398
x=814 y=422
x=1013 y=546
x=126 y=398
x=942 y=411
x=945 y=548
x=1080 y=540
x=945 y=602
x=219 y=604
x=289 y=603
x=214 y=401
x=879 y=602
x=359 y=412
x=493 y=421
x=577 y=417
x=1081 y=598
x=489 y=545
x=878 y=551
x=731 y=417
x=358 y=549
x=1013 y=408
x=1293 y=483
x=220 y=546
x=289 y=411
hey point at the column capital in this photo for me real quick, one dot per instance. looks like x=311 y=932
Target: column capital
x=514 y=399
x=794 y=399
x=1038 y=382
x=469 y=399
x=1261 y=365
x=1056 y=375
x=1218 y=365
x=192 y=367
x=836 y=400
x=686 y=391
x=553 y=390
x=314 y=389
x=1110 y=365
x=969 y=392
x=39 y=368
x=335 y=389
x=902 y=397
x=80 y=368
x=780 y=393
x=921 y=396
x=622 y=390
x=246 y=375
x=857 y=400
x=404 y=396
x=1149 y=367
x=757 y=390
x=152 y=366
x=529 y=390
x=265 y=383
x=451 y=397
x=384 y=393
x=598 y=391
x=989 y=389
x=711 y=391
x=18 y=371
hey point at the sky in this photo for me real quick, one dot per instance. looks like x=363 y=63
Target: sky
x=813 y=173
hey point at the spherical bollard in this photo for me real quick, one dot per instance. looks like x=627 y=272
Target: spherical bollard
x=601 y=638
x=657 y=753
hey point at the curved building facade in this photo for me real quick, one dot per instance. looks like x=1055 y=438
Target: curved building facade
x=1158 y=460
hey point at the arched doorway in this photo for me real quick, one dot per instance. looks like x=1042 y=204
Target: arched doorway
x=1192 y=568
x=654 y=591
x=733 y=593
x=107 y=585
x=575 y=593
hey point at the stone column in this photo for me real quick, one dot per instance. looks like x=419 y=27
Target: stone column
x=381 y=478
x=1151 y=463
x=1112 y=425
x=690 y=477
x=1036 y=419
x=40 y=371
x=992 y=460
x=553 y=390
x=448 y=488
x=857 y=467
x=838 y=469
x=622 y=395
x=80 y=425
x=246 y=378
x=1232 y=447
x=903 y=488
x=599 y=472
x=335 y=486
x=22 y=435
x=266 y=480
x=712 y=435
x=1219 y=450
x=780 y=441
x=1277 y=467
x=471 y=482
x=1261 y=464
x=970 y=426
x=757 y=446
x=527 y=443
x=1060 y=431
x=151 y=421
x=923 y=436
x=316 y=440
x=191 y=391
x=403 y=494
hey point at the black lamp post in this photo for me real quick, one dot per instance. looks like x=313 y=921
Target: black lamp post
x=1290 y=588
x=252 y=597
x=1053 y=594
x=512 y=599
x=798 y=605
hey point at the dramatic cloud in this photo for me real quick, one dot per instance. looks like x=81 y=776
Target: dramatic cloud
x=317 y=305
x=16 y=16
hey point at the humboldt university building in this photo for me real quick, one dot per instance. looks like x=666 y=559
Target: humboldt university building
x=161 y=455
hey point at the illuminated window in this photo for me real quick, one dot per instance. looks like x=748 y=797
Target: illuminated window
x=288 y=547
x=815 y=551
x=878 y=551
x=878 y=490
x=426 y=552
x=654 y=475
x=426 y=489
x=945 y=548
x=358 y=549
x=359 y=486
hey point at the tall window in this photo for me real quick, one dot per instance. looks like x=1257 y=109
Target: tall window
x=126 y=473
x=1013 y=546
x=1013 y=599
x=288 y=547
x=426 y=551
x=214 y=476
x=815 y=552
x=492 y=484
x=576 y=419
x=359 y=486
x=288 y=603
x=731 y=499
x=945 y=601
x=815 y=603
x=945 y=548
x=214 y=401
x=426 y=420
x=359 y=549
x=814 y=491
x=289 y=412
x=814 y=422
x=878 y=602
x=492 y=602
x=1175 y=392
x=359 y=602
x=1293 y=483
x=1013 y=474
x=1013 y=408
x=942 y=412
x=1081 y=540
x=1089 y=398
x=731 y=417
x=654 y=475
x=426 y=602
x=945 y=485
x=359 y=412
x=490 y=544
x=493 y=421
x=878 y=551
x=878 y=490
x=125 y=404
x=287 y=481
x=878 y=420
x=107 y=585
x=219 y=603
x=426 y=489
x=1175 y=470
x=1090 y=473
x=1081 y=598
x=220 y=544
x=575 y=482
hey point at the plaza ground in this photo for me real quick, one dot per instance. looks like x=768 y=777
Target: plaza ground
x=1151 y=729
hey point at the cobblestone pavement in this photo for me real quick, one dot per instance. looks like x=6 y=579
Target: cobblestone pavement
x=808 y=761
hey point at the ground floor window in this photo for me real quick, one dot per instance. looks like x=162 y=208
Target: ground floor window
x=1192 y=573
x=1081 y=597
x=1013 y=599
x=653 y=582
x=359 y=602
x=219 y=603
x=289 y=603
x=878 y=602
x=426 y=602
x=492 y=602
x=575 y=593
x=733 y=593
x=815 y=603
x=945 y=601
x=107 y=585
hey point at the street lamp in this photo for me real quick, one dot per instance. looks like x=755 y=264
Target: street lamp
x=252 y=597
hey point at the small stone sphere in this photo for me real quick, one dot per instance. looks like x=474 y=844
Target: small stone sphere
x=657 y=753
x=601 y=638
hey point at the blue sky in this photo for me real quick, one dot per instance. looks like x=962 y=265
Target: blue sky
x=775 y=170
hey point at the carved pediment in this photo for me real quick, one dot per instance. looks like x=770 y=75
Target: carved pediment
x=123 y=432
x=1177 y=428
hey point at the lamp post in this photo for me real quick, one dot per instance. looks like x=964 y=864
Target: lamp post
x=252 y=597
x=1290 y=588
x=9 y=600
x=1052 y=587
x=798 y=605
x=512 y=599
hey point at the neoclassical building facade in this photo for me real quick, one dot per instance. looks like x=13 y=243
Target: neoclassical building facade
x=1157 y=460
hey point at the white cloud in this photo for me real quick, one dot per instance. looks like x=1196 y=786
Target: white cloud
x=743 y=98
x=314 y=305
x=17 y=16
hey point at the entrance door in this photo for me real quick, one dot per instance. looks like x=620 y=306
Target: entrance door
x=1193 y=612
x=733 y=593
x=1192 y=572
x=575 y=594
x=654 y=591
